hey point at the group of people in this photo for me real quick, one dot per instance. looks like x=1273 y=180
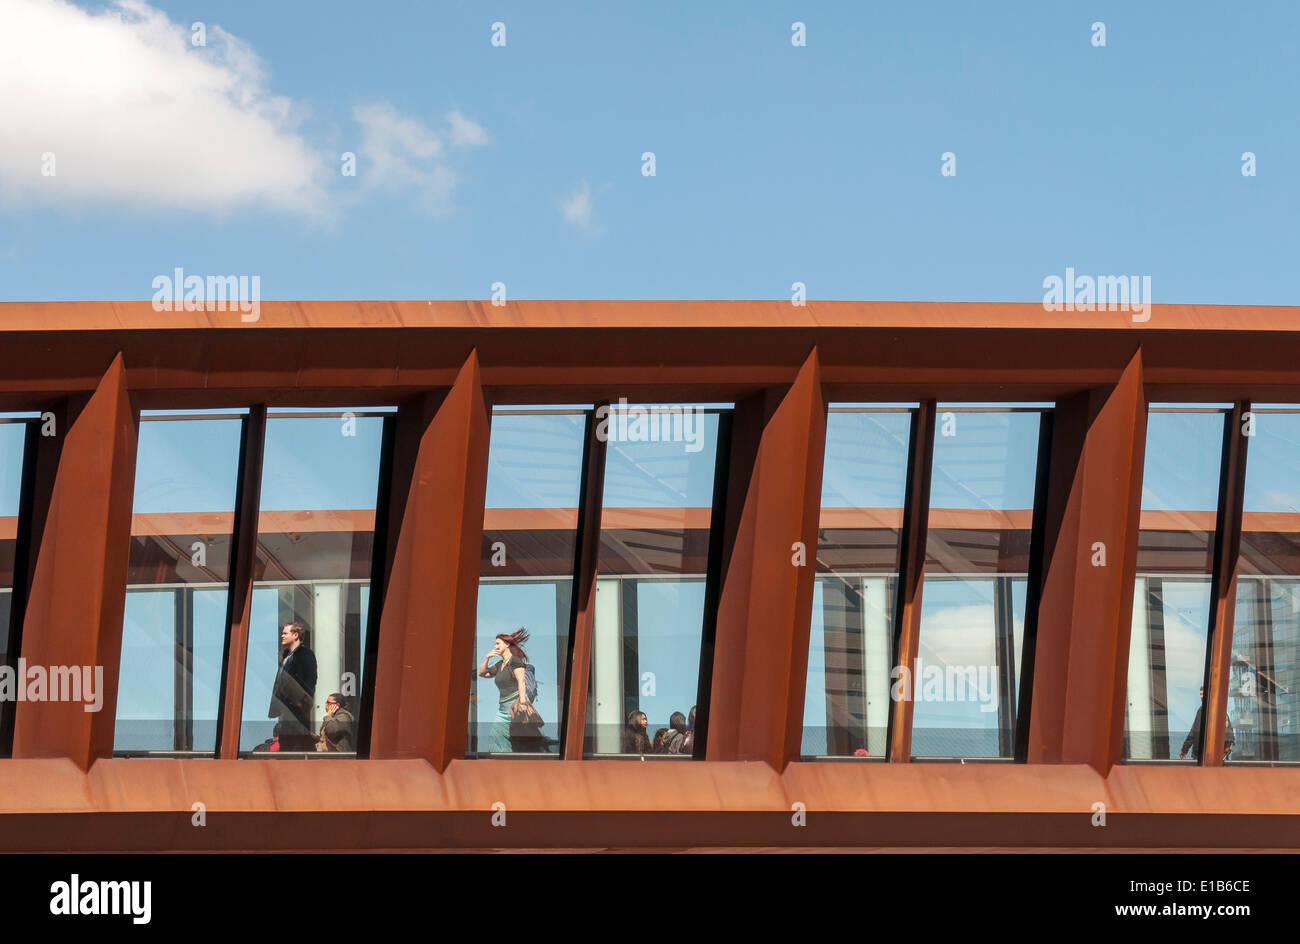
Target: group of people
x=677 y=738
x=294 y=694
x=517 y=727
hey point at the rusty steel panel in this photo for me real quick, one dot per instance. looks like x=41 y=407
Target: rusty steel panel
x=426 y=630
x=761 y=649
x=78 y=591
x=1086 y=611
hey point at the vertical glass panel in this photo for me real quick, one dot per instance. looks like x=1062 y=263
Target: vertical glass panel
x=1265 y=661
x=308 y=621
x=850 y=651
x=526 y=580
x=966 y=680
x=174 y=627
x=1171 y=599
x=654 y=549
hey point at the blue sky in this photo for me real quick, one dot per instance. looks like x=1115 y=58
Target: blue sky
x=773 y=163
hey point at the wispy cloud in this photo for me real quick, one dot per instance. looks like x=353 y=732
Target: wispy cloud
x=466 y=133
x=404 y=154
x=578 y=208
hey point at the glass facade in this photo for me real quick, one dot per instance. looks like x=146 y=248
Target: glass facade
x=530 y=525
x=1264 y=672
x=310 y=604
x=311 y=590
x=174 y=625
x=1171 y=598
x=965 y=683
x=650 y=591
x=851 y=642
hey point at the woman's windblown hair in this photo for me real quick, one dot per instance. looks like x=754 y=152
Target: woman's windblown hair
x=516 y=641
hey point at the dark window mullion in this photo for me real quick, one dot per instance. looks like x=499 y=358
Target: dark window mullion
x=23 y=555
x=1033 y=587
x=384 y=526
x=911 y=572
x=586 y=559
x=712 y=586
x=239 y=591
x=1223 y=579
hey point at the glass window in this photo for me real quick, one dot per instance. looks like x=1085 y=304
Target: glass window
x=1171 y=598
x=526 y=577
x=851 y=645
x=13 y=433
x=174 y=625
x=311 y=591
x=966 y=678
x=1265 y=662
x=654 y=548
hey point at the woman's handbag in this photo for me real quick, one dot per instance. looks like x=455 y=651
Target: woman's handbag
x=525 y=721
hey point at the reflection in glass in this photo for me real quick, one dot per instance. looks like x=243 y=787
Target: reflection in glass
x=1171 y=599
x=315 y=538
x=965 y=682
x=850 y=651
x=654 y=546
x=1265 y=660
x=526 y=576
x=174 y=626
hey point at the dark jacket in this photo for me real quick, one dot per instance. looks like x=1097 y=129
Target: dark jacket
x=1193 y=742
x=635 y=742
x=294 y=691
x=337 y=730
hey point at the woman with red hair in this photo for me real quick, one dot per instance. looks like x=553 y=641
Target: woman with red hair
x=514 y=677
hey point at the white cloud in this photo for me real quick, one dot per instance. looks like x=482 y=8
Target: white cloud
x=402 y=154
x=578 y=208
x=466 y=133
x=134 y=114
x=958 y=635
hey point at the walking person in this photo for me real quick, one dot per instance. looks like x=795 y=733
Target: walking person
x=294 y=692
x=517 y=726
x=1193 y=742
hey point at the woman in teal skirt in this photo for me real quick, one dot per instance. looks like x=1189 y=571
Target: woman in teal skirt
x=510 y=674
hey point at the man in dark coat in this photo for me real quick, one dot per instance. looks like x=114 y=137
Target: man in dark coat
x=1193 y=742
x=294 y=691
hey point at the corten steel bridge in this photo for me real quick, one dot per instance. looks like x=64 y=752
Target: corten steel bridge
x=95 y=366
